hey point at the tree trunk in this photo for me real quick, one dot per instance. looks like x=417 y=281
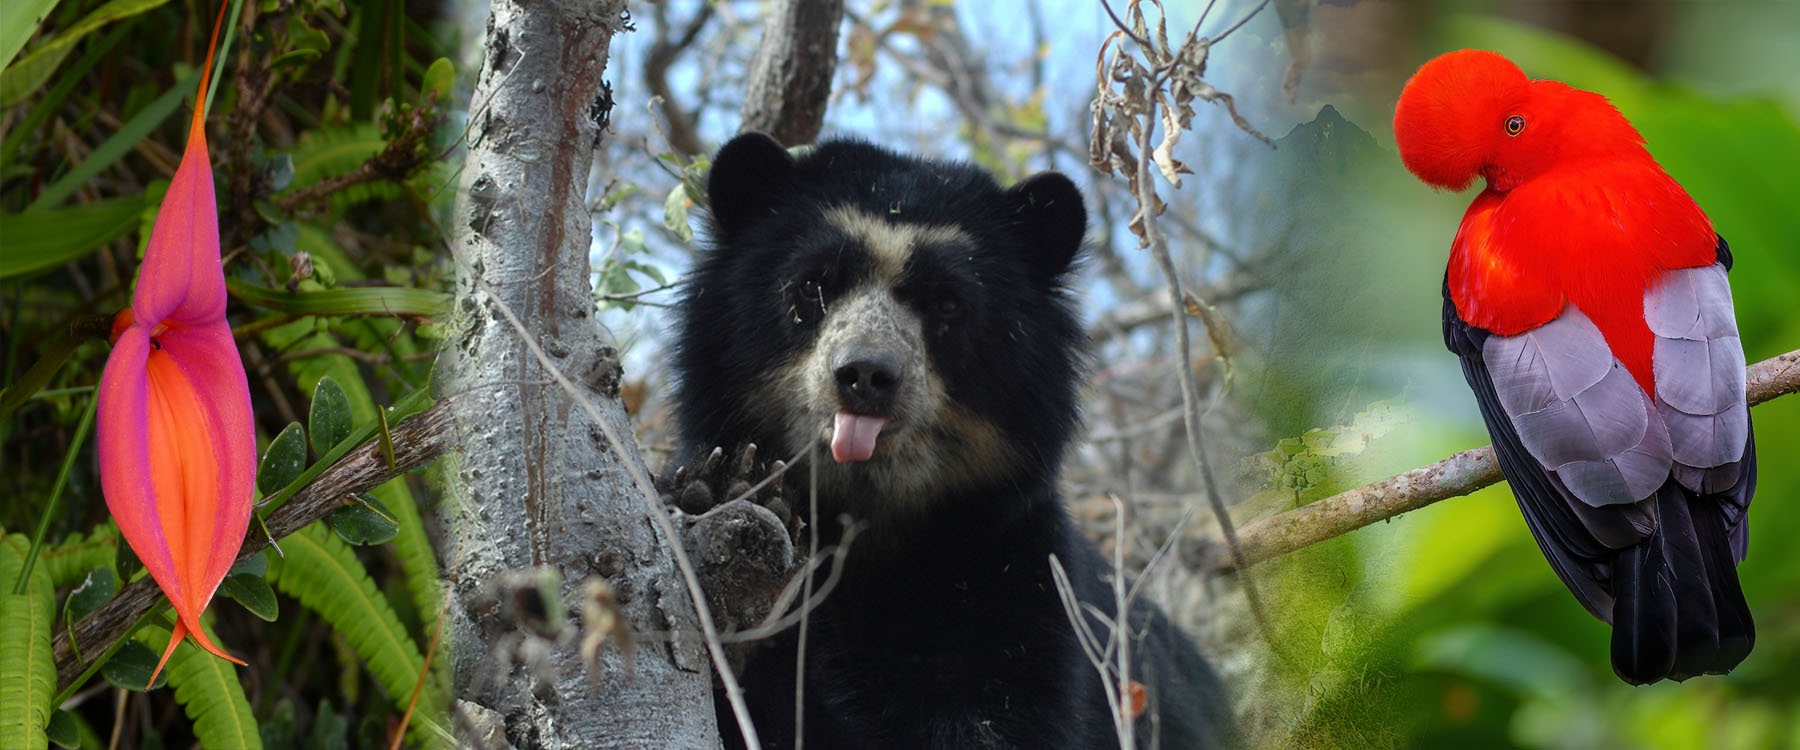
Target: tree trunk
x=790 y=77
x=538 y=485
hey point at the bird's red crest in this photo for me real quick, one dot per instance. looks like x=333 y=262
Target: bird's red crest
x=1451 y=117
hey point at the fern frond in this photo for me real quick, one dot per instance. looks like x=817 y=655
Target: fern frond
x=27 y=673
x=208 y=690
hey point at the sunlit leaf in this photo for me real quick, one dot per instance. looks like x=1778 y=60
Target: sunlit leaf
x=19 y=19
x=29 y=72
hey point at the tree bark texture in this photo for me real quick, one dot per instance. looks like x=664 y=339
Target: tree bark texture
x=538 y=485
x=790 y=77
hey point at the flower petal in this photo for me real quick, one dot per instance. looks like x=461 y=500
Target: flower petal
x=178 y=459
x=205 y=363
x=181 y=280
x=122 y=431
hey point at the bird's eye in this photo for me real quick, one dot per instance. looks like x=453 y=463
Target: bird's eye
x=1514 y=125
x=810 y=290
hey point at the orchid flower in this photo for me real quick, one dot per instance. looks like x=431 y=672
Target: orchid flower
x=177 y=439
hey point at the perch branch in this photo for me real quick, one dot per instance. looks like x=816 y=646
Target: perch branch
x=1457 y=475
x=416 y=441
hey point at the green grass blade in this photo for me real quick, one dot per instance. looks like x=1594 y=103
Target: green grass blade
x=18 y=19
x=56 y=490
x=39 y=240
x=27 y=74
x=64 y=86
x=116 y=147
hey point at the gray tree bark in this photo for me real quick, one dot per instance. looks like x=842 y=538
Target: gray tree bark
x=790 y=77
x=538 y=486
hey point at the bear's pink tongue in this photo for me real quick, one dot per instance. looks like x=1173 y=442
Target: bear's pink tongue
x=853 y=436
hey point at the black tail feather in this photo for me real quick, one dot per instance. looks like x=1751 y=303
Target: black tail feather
x=1679 y=610
x=1643 y=640
x=1737 y=632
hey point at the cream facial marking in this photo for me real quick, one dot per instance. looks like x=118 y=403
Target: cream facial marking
x=891 y=243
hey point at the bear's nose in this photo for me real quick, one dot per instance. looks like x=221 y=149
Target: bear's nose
x=866 y=385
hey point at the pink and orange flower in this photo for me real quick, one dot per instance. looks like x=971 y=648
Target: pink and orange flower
x=176 y=435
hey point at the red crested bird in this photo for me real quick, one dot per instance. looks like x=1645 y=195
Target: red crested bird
x=1587 y=298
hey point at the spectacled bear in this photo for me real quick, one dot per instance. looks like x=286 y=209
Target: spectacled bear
x=906 y=320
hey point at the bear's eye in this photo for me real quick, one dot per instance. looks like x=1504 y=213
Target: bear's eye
x=1514 y=125
x=946 y=307
x=810 y=290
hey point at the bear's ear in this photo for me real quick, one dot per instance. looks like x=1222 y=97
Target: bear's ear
x=744 y=180
x=1048 y=215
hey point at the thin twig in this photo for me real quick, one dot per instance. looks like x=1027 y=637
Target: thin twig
x=1152 y=236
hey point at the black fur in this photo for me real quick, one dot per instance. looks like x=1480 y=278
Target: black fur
x=946 y=629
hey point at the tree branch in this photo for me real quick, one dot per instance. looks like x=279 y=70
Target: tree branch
x=790 y=77
x=1457 y=475
x=417 y=440
x=664 y=51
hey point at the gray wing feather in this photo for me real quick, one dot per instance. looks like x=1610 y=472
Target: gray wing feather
x=1689 y=311
x=1578 y=412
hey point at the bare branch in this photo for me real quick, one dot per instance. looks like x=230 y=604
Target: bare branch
x=1457 y=475
x=663 y=54
x=790 y=77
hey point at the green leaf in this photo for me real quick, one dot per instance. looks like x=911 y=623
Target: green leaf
x=254 y=565
x=280 y=170
x=363 y=525
x=115 y=148
x=675 y=214
x=97 y=589
x=283 y=461
x=438 y=81
x=253 y=592
x=125 y=561
x=25 y=75
x=36 y=240
x=322 y=572
x=329 y=421
x=18 y=20
x=130 y=668
x=330 y=731
x=62 y=730
x=27 y=672
x=208 y=690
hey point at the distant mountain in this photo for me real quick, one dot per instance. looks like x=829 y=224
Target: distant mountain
x=1327 y=148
